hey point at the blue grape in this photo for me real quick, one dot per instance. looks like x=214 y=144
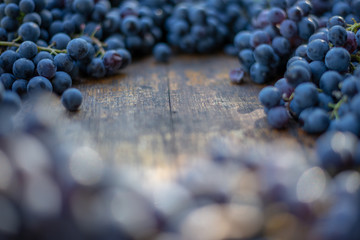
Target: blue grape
x=27 y=6
x=64 y=62
x=77 y=48
x=61 y=81
x=162 y=52
x=337 y=36
x=306 y=95
x=72 y=99
x=317 y=50
x=324 y=101
x=42 y=55
x=23 y=68
x=28 y=50
x=20 y=87
x=84 y=7
x=246 y=58
x=297 y=74
x=337 y=59
x=270 y=97
x=278 y=117
x=46 y=68
x=29 y=31
x=314 y=120
x=318 y=68
x=260 y=73
x=60 y=40
x=306 y=28
x=7 y=80
x=7 y=60
x=39 y=84
x=96 y=68
x=281 y=46
x=329 y=82
x=12 y=10
x=349 y=86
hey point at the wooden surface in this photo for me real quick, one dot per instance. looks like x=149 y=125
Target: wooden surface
x=159 y=114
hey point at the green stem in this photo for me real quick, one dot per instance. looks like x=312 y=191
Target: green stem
x=335 y=107
x=354 y=27
x=47 y=49
x=101 y=46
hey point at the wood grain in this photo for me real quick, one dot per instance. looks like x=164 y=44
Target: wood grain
x=165 y=114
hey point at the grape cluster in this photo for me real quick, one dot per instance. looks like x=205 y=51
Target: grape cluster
x=277 y=32
x=321 y=90
x=205 y=26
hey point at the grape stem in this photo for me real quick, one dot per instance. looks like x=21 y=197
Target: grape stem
x=335 y=107
x=47 y=49
x=353 y=27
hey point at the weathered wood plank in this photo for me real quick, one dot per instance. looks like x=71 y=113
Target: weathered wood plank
x=160 y=114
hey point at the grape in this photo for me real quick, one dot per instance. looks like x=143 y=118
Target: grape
x=64 y=62
x=46 y=68
x=351 y=42
x=317 y=50
x=278 y=117
x=60 y=40
x=284 y=87
x=276 y=15
x=27 y=6
x=270 y=97
x=288 y=29
x=77 y=48
x=306 y=27
x=42 y=55
x=7 y=59
x=12 y=10
x=23 y=68
x=306 y=95
x=337 y=36
x=83 y=6
x=242 y=40
x=329 y=82
x=71 y=99
x=20 y=87
x=29 y=31
x=314 y=120
x=246 y=58
x=259 y=37
x=264 y=54
x=28 y=50
x=260 y=73
x=318 y=68
x=96 y=68
x=162 y=52
x=337 y=59
x=39 y=84
x=324 y=101
x=296 y=75
x=61 y=81
x=7 y=80
x=281 y=46
x=130 y=25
